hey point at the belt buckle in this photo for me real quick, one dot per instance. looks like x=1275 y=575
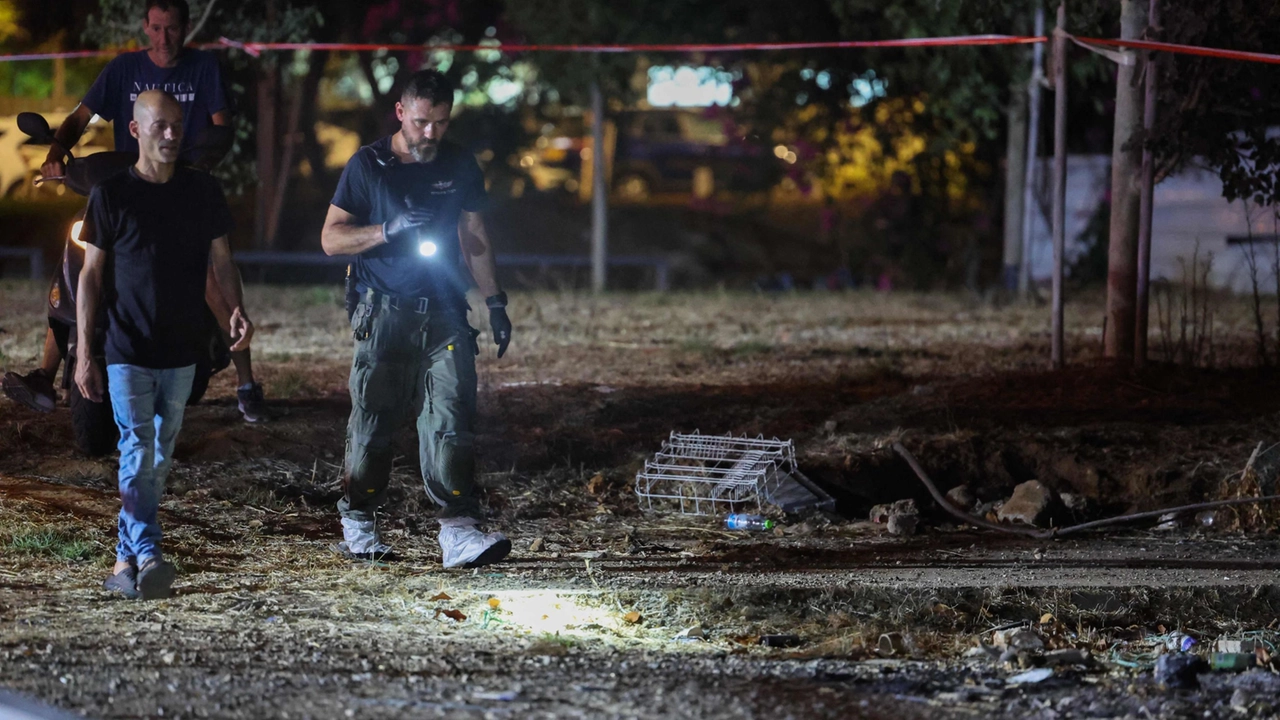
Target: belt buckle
x=422 y=304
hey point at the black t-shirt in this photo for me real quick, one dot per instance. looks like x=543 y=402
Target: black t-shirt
x=376 y=187
x=157 y=236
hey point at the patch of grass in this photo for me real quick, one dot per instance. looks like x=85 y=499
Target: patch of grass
x=751 y=347
x=290 y=384
x=698 y=345
x=51 y=543
x=320 y=295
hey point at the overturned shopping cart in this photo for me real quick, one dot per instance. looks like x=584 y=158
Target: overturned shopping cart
x=698 y=474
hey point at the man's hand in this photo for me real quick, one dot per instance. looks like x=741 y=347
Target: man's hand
x=406 y=222
x=89 y=379
x=241 y=330
x=53 y=166
x=501 y=326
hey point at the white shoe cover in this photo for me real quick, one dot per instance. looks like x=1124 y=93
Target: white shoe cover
x=361 y=538
x=463 y=545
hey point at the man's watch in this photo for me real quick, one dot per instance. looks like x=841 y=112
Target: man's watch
x=493 y=302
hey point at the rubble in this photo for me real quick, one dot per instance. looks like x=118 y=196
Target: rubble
x=1178 y=671
x=961 y=497
x=1029 y=504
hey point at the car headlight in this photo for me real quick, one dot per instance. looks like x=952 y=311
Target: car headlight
x=76 y=228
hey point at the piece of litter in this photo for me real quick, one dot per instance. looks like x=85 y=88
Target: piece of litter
x=691 y=633
x=536 y=545
x=1031 y=676
x=632 y=617
x=451 y=614
x=781 y=641
x=506 y=696
x=440 y=596
x=494 y=603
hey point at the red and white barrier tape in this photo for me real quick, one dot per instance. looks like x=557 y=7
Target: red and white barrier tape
x=255 y=49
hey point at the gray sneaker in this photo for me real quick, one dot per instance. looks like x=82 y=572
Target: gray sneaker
x=35 y=389
x=155 y=579
x=123 y=583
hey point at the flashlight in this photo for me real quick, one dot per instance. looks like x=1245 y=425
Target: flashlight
x=427 y=248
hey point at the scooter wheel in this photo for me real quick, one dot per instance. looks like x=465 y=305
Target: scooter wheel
x=94 y=428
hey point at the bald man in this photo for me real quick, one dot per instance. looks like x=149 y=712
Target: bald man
x=151 y=235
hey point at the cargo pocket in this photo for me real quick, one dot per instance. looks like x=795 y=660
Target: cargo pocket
x=362 y=322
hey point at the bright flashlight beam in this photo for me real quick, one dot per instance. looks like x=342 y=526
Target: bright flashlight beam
x=76 y=227
x=427 y=248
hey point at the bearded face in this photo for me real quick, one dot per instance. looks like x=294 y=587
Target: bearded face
x=422 y=125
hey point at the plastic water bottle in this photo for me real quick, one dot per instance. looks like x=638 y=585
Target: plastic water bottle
x=742 y=521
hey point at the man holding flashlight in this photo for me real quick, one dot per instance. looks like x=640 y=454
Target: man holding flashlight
x=408 y=208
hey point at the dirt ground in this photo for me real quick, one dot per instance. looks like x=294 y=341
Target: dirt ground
x=607 y=611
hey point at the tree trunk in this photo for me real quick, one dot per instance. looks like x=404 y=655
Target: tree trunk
x=267 y=132
x=1126 y=167
x=1014 y=178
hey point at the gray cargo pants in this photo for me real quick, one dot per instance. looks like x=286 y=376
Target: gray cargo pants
x=411 y=358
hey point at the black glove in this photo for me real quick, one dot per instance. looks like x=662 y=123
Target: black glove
x=402 y=226
x=499 y=322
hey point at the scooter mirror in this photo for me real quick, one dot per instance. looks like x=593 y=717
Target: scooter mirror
x=36 y=126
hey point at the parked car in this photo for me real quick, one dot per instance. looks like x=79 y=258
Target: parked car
x=655 y=151
x=660 y=151
x=20 y=158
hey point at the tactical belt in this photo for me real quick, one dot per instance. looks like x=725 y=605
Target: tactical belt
x=420 y=305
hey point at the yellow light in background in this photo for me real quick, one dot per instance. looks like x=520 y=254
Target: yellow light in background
x=76 y=227
x=780 y=151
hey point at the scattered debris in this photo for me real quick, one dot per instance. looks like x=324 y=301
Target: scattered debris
x=494 y=603
x=1074 y=502
x=451 y=614
x=1028 y=505
x=632 y=617
x=1031 y=676
x=1237 y=646
x=1178 y=671
x=961 y=497
x=1232 y=662
x=1019 y=639
x=891 y=644
x=595 y=484
x=694 y=632
x=781 y=641
x=1066 y=656
x=903 y=525
x=537 y=544
x=440 y=596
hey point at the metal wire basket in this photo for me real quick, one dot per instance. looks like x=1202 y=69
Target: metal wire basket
x=698 y=474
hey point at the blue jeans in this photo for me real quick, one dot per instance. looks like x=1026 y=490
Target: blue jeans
x=147 y=405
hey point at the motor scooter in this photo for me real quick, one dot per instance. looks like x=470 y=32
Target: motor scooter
x=92 y=423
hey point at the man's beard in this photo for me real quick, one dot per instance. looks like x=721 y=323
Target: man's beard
x=424 y=151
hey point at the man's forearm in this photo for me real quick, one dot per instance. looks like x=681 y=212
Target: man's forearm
x=229 y=284
x=88 y=292
x=485 y=271
x=68 y=133
x=350 y=239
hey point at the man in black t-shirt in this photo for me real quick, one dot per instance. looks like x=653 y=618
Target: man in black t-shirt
x=194 y=78
x=151 y=233
x=408 y=208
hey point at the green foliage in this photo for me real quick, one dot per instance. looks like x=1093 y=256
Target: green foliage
x=119 y=24
x=51 y=543
x=1219 y=112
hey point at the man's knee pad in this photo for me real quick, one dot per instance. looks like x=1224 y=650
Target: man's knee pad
x=455 y=461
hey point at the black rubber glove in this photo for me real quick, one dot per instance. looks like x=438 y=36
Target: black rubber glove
x=403 y=225
x=499 y=322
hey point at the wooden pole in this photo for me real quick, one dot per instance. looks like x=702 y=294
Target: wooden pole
x=599 y=194
x=1059 y=177
x=1146 y=203
x=1029 y=203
